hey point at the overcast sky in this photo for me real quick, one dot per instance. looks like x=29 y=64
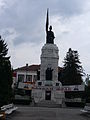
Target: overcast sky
x=22 y=25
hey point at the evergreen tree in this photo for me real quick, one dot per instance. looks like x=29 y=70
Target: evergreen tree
x=72 y=71
x=87 y=89
x=5 y=74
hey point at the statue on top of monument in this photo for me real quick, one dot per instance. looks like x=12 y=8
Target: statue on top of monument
x=49 y=34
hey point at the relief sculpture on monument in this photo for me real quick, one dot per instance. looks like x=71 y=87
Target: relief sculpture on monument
x=49 y=74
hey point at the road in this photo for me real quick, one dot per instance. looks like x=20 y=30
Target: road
x=41 y=113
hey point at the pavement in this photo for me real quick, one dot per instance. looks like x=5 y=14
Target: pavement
x=43 y=113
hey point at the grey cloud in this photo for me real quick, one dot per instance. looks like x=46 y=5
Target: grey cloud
x=27 y=17
x=23 y=21
x=68 y=8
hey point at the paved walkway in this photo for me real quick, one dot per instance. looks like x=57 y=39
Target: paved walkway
x=40 y=113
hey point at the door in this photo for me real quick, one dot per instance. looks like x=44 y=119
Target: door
x=48 y=95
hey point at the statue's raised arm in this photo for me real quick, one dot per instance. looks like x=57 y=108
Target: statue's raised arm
x=49 y=34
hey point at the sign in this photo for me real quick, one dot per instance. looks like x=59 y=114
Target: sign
x=62 y=88
x=25 y=86
x=74 y=88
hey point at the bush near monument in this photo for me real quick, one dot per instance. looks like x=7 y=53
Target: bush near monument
x=72 y=71
x=72 y=75
x=5 y=75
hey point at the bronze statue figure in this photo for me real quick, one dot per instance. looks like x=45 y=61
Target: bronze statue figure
x=49 y=34
x=49 y=74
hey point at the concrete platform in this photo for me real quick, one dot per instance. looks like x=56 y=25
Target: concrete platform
x=43 y=113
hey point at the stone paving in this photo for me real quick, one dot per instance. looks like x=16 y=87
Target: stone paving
x=41 y=113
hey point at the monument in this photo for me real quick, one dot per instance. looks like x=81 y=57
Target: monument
x=49 y=56
x=49 y=89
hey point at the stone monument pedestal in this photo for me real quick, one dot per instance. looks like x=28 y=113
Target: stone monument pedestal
x=49 y=60
x=48 y=91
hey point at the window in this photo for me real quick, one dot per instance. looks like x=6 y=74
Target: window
x=35 y=78
x=39 y=83
x=20 y=78
x=57 y=84
x=29 y=78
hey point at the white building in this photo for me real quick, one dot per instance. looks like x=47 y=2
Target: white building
x=26 y=76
